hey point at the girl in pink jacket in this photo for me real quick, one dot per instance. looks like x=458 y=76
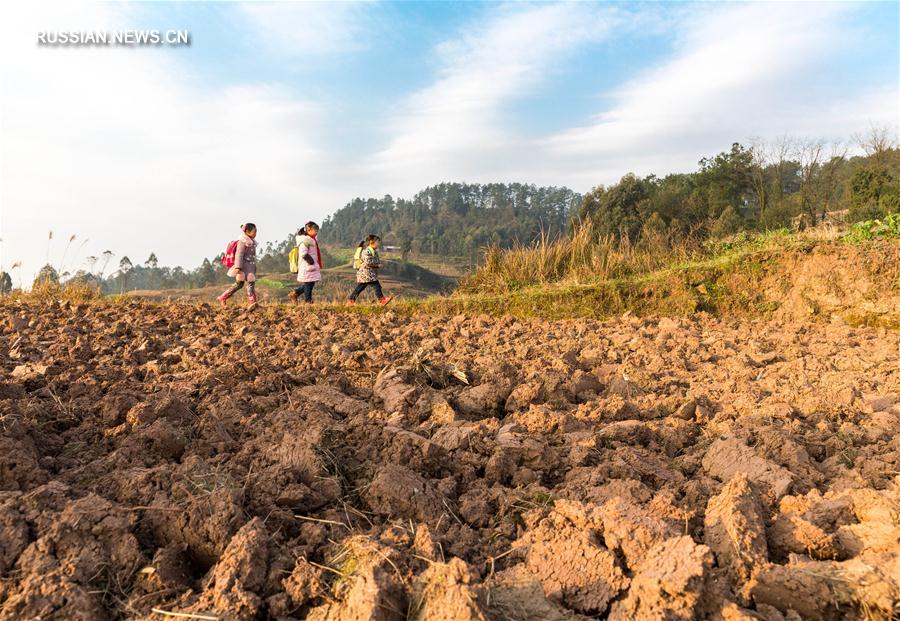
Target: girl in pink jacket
x=244 y=268
x=309 y=270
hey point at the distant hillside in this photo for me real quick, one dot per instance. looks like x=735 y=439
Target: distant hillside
x=457 y=219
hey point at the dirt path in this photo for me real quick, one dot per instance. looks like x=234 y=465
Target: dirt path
x=333 y=466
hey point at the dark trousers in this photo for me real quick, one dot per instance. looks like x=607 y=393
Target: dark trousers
x=360 y=287
x=305 y=289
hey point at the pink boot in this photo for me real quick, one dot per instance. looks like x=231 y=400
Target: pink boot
x=251 y=299
x=223 y=299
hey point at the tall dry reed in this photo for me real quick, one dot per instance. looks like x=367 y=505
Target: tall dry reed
x=579 y=257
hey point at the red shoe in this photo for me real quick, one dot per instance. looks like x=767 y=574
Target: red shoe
x=252 y=300
x=223 y=299
x=351 y=303
x=385 y=300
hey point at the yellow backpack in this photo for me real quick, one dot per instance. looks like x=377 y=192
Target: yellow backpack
x=357 y=258
x=294 y=259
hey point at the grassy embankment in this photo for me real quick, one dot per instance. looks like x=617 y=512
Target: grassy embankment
x=818 y=274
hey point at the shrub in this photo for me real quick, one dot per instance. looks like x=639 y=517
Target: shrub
x=874 y=193
x=886 y=228
x=47 y=276
x=728 y=223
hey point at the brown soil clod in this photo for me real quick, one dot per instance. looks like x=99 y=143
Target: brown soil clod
x=574 y=568
x=863 y=587
x=445 y=592
x=669 y=584
x=730 y=456
x=734 y=529
x=399 y=492
x=238 y=578
x=369 y=587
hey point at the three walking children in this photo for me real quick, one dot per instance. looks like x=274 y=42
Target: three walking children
x=306 y=259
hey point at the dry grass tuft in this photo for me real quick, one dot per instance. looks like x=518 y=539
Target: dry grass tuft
x=49 y=290
x=576 y=258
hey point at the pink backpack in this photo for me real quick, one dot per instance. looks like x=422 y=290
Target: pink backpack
x=230 y=251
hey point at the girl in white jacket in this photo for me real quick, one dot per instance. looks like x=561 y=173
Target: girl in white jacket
x=310 y=265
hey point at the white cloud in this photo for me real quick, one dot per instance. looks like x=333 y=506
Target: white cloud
x=739 y=71
x=120 y=146
x=308 y=28
x=454 y=128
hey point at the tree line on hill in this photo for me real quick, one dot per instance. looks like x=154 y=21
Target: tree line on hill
x=101 y=271
x=457 y=219
x=767 y=185
x=785 y=183
x=130 y=276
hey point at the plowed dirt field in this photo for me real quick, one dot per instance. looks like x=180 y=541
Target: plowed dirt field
x=297 y=464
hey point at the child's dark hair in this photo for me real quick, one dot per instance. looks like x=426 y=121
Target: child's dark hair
x=369 y=239
x=248 y=227
x=309 y=225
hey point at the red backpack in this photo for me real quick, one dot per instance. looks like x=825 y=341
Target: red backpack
x=230 y=251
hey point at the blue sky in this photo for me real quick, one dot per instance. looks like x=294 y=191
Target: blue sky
x=283 y=112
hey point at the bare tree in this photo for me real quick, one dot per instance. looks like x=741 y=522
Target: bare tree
x=809 y=153
x=829 y=180
x=879 y=142
x=759 y=150
x=107 y=255
x=125 y=266
x=780 y=155
x=91 y=261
